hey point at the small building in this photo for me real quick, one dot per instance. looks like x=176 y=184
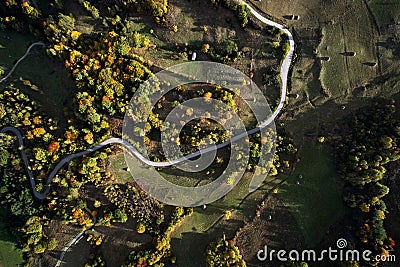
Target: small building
x=296 y=17
x=194 y=55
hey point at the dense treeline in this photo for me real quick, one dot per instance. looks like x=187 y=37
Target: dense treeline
x=69 y=199
x=44 y=150
x=104 y=68
x=370 y=143
x=101 y=9
x=158 y=8
x=112 y=67
x=20 y=15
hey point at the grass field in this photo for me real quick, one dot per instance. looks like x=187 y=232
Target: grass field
x=333 y=75
x=306 y=71
x=386 y=14
x=55 y=89
x=10 y=256
x=195 y=28
x=329 y=29
x=117 y=164
x=354 y=32
x=317 y=202
x=204 y=225
x=118 y=167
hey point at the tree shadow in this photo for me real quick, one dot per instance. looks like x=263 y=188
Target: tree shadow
x=348 y=53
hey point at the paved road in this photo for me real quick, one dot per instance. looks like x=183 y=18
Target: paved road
x=75 y=240
x=285 y=67
x=132 y=150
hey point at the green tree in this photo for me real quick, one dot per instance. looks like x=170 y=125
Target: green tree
x=224 y=253
x=4 y=157
x=140 y=227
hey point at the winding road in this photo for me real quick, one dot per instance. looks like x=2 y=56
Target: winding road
x=22 y=58
x=74 y=241
x=132 y=150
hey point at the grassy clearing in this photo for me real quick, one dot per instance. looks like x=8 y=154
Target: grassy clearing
x=301 y=81
x=332 y=73
x=386 y=14
x=55 y=90
x=198 y=230
x=306 y=72
x=78 y=254
x=10 y=255
x=353 y=32
x=361 y=37
x=12 y=46
x=196 y=28
x=117 y=166
x=386 y=11
x=317 y=202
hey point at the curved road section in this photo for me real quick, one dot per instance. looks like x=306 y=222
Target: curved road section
x=132 y=150
x=74 y=241
x=285 y=67
x=22 y=58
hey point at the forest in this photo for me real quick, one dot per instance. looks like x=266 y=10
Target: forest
x=107 y=65
x=368 y=145
x=106 y=70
